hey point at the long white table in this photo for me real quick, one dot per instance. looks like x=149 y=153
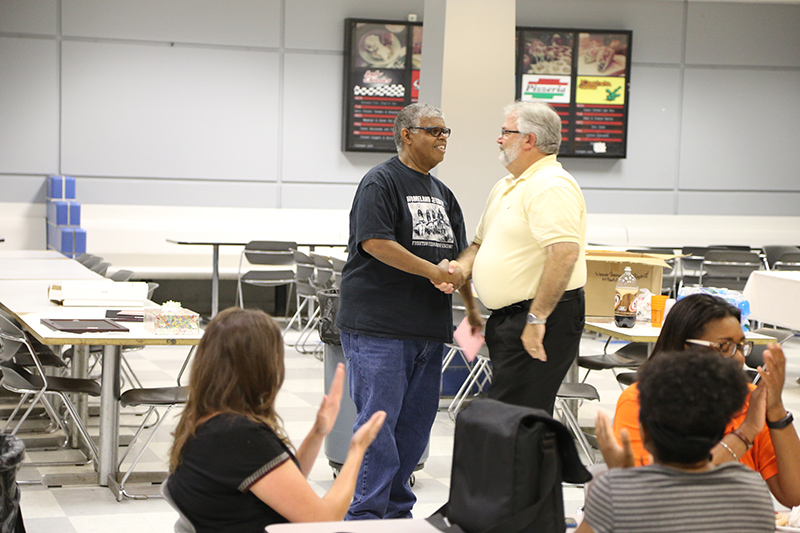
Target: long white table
x=774 y=297
x=31 y=254
x=215 y=241
x=50 y=269
x=27 y=302
x=644 y=332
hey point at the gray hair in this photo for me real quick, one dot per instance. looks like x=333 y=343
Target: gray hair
x=410 y=116
x=541 y=120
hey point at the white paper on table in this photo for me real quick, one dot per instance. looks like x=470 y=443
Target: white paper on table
x=469 y=343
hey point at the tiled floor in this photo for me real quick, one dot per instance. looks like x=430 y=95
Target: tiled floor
x=94 y=509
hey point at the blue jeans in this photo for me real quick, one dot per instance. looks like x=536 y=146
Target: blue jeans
x=402 y=378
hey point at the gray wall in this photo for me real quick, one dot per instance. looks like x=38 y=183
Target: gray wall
x=238 y=103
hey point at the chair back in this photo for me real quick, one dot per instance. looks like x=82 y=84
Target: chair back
x=338 y=268
x=270 y=252
x=183 y=525
x=773 y=252
x=101 y=268
x=788 y=261
x=728 y=268
x=94 y=260
x=11 y=338
x=323 y=272
x=121 y=275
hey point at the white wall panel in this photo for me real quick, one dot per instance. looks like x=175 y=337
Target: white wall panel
x=26 y=16
x=656 y=25
x=312 y=123
x=653 y=137
x=226 y=22
x=743 y=34
x=738 y=203
x=22 y=188
x=319 y=24
x=628 y=202
x=28 y=106
x=175 y=192
x=740 y=130
x=142 y=110
x=317 y=196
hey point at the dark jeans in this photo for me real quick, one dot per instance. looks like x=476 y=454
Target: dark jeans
x=402 y=378
x=519 y=379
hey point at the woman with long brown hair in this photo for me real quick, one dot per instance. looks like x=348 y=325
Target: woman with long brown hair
x=233 y=467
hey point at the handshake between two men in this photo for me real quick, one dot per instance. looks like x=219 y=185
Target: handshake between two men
x=450 y=276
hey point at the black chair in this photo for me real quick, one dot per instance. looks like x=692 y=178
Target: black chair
x=576 y=392
x=20 y=380
x=121 y=275
x=320 y=281
x=788 y=261
x=728 y=268
x=628 y=357
x=153 y=398
x=101 y=268
x=266 y=253
x=774 y=251
x=691 y=265
x=305 y=293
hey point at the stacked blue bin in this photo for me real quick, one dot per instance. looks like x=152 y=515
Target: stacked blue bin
x=64 y=233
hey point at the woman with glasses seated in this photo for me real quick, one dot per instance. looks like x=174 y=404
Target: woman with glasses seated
x=761 y=435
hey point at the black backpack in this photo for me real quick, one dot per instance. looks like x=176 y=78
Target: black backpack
x=508 y=465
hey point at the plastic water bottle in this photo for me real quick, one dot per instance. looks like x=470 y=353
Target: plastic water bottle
x=625 y=300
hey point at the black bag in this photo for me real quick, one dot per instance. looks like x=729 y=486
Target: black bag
x=328 y=309
x=508 y=465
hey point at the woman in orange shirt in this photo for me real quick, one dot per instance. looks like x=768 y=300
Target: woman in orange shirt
x=761 y=435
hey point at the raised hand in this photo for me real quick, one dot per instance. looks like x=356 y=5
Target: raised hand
x=367 y=432
x=773 y=376
x=616 y=456
x=329 y=409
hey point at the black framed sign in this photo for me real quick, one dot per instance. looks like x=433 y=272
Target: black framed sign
x=381 y=76
x=585 y=75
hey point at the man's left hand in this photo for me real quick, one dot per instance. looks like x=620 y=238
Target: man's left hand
x=532 y=338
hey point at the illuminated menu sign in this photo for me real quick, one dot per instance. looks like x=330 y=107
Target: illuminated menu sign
x=382 y=60
x=585 y=76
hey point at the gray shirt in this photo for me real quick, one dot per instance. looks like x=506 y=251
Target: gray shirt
x=730 y=498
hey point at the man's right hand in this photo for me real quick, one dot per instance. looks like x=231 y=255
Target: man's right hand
x=452 y=277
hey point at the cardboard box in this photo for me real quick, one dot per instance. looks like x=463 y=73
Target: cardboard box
x=604 y=267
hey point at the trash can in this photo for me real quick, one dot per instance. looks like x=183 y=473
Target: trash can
x=12 y=451
x=337 y=442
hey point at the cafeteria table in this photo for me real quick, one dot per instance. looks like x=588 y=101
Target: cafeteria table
x=773 y=297
x=215 y=243
x=644 y=332
x=52 y=269
x=31 y=254
x=112 y=343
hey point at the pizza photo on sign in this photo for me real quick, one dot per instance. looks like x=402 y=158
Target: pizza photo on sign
x=602 y=54
x=547 y=53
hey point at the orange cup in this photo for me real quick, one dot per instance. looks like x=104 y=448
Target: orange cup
x=657 y=302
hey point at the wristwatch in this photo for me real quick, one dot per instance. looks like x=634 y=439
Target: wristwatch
x=782 y=423
x=533 y=321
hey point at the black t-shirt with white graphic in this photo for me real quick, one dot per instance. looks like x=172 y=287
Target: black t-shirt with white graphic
x=395 y=202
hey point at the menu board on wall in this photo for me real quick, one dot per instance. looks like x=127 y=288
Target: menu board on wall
x=381 y=76
x=585 y=76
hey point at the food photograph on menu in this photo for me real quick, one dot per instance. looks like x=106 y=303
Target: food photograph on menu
x=585 y=76
x=382 y=61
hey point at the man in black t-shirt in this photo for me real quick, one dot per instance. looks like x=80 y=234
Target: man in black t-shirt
x=405 y=226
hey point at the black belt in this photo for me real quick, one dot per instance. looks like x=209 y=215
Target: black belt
x=525 y=305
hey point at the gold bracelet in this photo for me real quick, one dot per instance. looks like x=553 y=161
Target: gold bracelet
x=747 y=443
x=735 y=457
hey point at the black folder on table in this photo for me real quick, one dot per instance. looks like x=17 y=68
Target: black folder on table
x=83 y=325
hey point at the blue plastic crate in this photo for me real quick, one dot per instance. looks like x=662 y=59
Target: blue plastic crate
x=60 y=188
